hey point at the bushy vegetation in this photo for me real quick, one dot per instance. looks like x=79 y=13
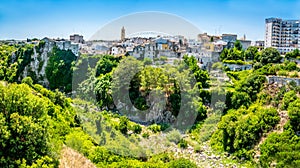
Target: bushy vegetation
x=282 y=149
x=293 y=54
x=240 y=130
x=182 y=163
x=34 y=122
x=237 y=55
x=106 y=82
x=13 y=60
x=16 y=61
x=59 y=69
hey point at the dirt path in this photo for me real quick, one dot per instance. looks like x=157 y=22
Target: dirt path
x=72 y=159
x=205 y=158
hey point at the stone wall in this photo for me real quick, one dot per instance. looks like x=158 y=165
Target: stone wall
x=282 y=80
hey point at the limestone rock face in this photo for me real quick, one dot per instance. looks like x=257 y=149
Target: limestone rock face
x=39 y=59
x=38 y=64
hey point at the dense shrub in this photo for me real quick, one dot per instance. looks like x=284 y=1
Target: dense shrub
x=281 y=149
x=183 y=143
x=155 y=128
x=33 y=125
x=240 y=130
x=182 y=163
x=174 y=136
x=137 y=129
x=288 y=98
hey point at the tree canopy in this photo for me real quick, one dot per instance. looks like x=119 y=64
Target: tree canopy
x=59 y=69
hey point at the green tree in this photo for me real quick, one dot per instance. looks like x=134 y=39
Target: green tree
x=224 y=54
x=35 y=123
x=290 y=66
x=283 y=148
x=239 y=99
x=106 y=64
x=252 y=85
x=123 y=125
x=28 y=81
x=232 y=54
x=251 y=52
x=238 y=45
x=122 y=76
x=269 y=55
x=201 y=76
x=293 y=54
x=288 y=98
x=137 y=129
x=59 y=69
x=103 y=90
x=147 y=61
x=239 y=130
x=294 y=114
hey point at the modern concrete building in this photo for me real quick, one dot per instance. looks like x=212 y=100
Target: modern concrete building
x=282 y=34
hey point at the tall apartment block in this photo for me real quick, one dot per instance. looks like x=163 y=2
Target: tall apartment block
x=282 y=34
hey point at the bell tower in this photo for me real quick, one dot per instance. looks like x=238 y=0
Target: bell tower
x=123 y=34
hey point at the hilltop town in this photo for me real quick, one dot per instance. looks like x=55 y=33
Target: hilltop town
x=151 y=99
x=157 y=47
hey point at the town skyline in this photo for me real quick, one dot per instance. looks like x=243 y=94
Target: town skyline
x=31 y=19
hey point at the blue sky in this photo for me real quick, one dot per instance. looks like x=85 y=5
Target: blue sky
x=21 y=19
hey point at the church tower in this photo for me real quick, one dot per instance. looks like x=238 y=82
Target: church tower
x=244 y=38
x=123 y=34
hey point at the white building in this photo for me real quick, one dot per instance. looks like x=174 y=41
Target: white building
x=245 y=43
x=117 y=50
x=282 y=34
x=76 y=38
x=259 y=44
x=206 y=58
x=237 y=67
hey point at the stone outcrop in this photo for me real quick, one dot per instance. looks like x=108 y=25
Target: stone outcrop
x=39 y=59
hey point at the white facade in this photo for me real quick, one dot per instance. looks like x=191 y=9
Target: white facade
x=245 y=44
x=268 y=35
x=236 y=67
x=117 y=50
x=282 y=34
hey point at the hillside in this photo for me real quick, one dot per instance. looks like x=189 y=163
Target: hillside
x=125 y=112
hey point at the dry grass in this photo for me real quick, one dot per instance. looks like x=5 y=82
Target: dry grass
x=72 y=159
